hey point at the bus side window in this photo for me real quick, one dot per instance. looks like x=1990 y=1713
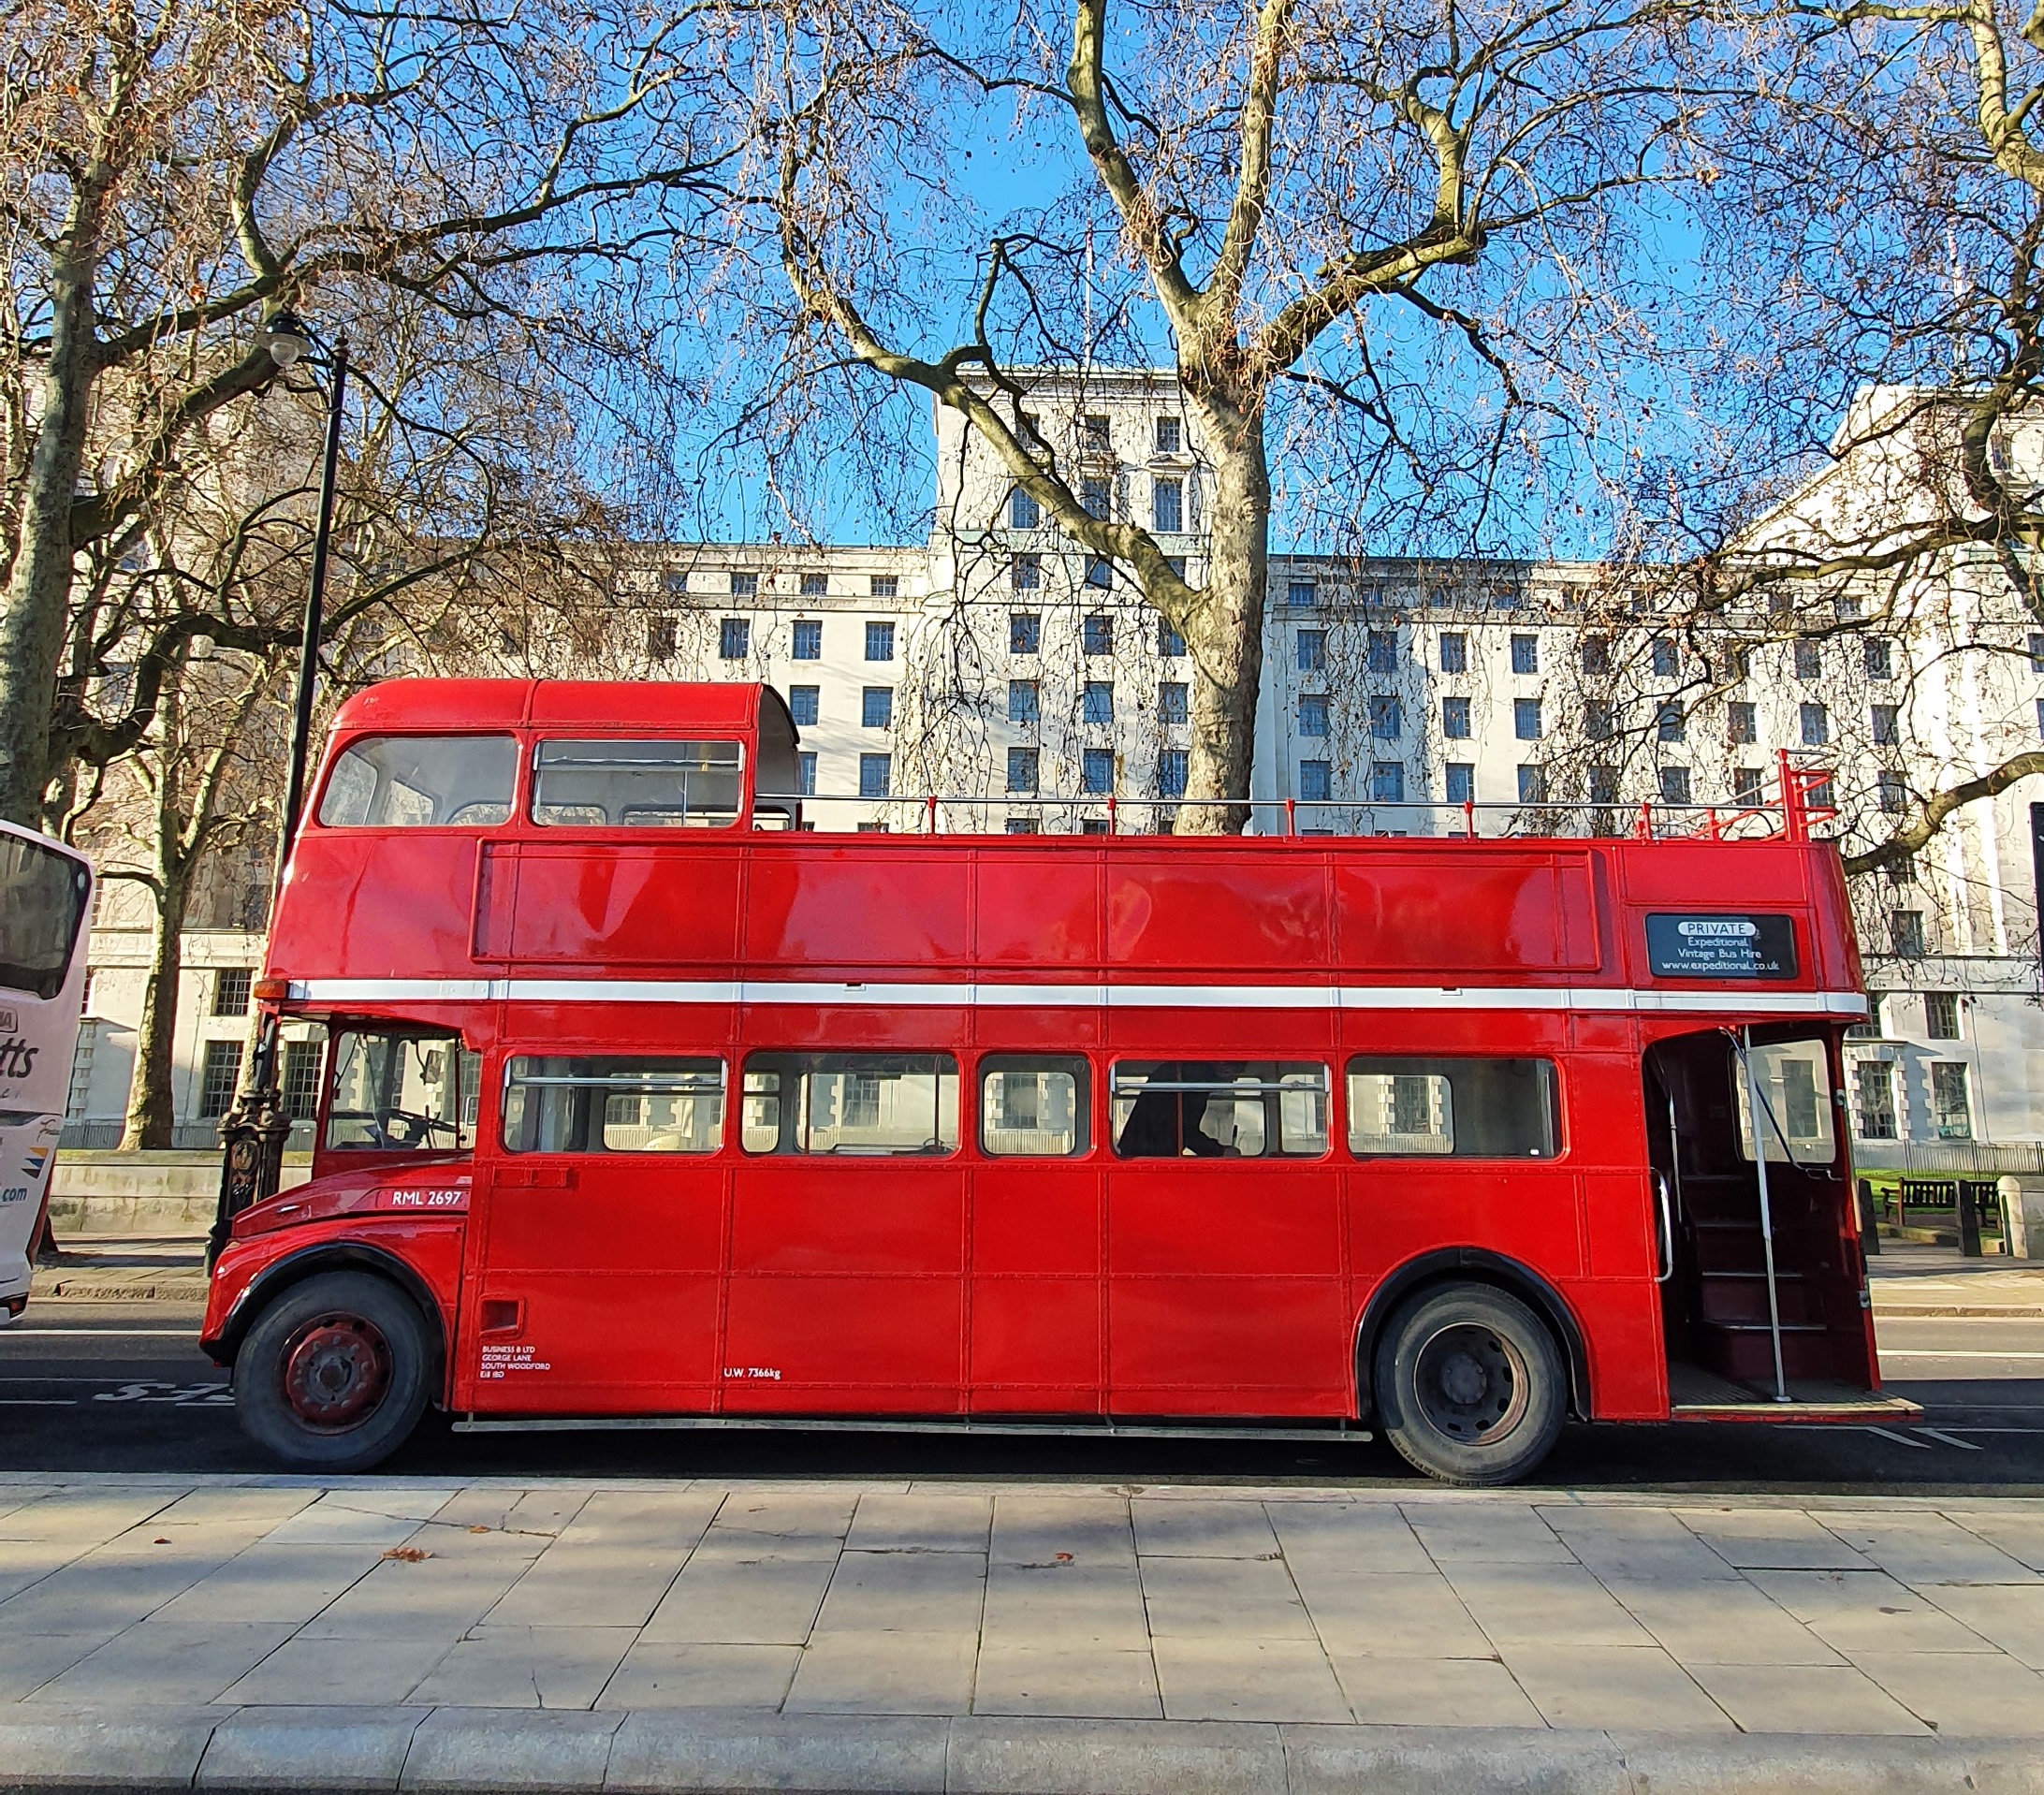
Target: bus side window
x=1205 y=1109
x=612 y=1103
x=402 y=1093
x=421 y=783
x=851 y=1104
x=1033 y=1104
x=1463 y=1109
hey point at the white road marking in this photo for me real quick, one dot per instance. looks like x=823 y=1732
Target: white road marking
x=1900 y=1440
x=1963 y=1445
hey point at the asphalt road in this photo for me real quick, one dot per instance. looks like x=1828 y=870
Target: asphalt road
x=125 y=1388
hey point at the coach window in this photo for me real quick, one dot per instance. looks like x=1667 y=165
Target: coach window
x=872 y=1104
x=1206 y=1109
x=611 y=1103
x=401 y=1093
x=421 y=782
x=1460 y=1109
x=1033 y=1105
x=636 y=784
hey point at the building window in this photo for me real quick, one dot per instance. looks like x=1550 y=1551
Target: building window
x=1745 y=785
x=301 y=1079
x=1941 y=1015
x=2037 y=653
x=1951 y=1109
x=1173 y=765
x=231 y=988
x=2040 y=719
x=1461 y=782
x=1096 y=496
x=1669 y=725
x=1383 y=650
x=1025 y=631
x=1022 y=770
x=1023 y=511
x=1738 y=663
x=1887 y=726
x=1809 y=660
x=1098 y=437
x=802 y=705
x=1667 y=658
x=675 y=581
x=1313 y=716
x=1599 y=719
x=887 y=586
x=1455 y=719
x=1170 y=437
x=1596 y=655
x=1873 y=1091
x=1455 y=653
x=1816 y=723
x=1173 y=702
x=805 y=774
x=1603 y=784
x=1532 y=784
x=1525 y=719
x=661 y=639
x=1871 y=1028
x=219 y=1074
x=1879 y=657
x=1387 y=782
x=1097 y=633
x=809 y=639
x=1299 y=592
x=880 y=641
x=1100 y=571
x=1311 y=651
x=744 y=585
x=1893 y=793
x=1742 y=724
x=1097 y=702
x=1905 y=934
x=876 y=708
x=1674 y=786
x=734 y=638
x=1315 y=781
x=1023 y=706
x=815 y=585
x=875 y=775
x=1026 y=573
x=1387 y=718
x=1525 y=654
x=1170 y=644
x=1097 y=770
x=1024 y=826
x=1167 y=506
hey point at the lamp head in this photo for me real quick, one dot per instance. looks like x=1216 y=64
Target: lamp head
x=286 y=339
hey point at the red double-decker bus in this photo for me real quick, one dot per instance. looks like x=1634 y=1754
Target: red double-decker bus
x=647 y=1102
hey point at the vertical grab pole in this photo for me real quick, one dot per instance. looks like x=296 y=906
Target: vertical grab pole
x=1767 y=1214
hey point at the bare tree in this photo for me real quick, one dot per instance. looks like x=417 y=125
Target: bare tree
x=174 y=173
x=1307 y=201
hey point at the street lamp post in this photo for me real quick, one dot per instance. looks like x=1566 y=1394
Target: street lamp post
x=253 y=1131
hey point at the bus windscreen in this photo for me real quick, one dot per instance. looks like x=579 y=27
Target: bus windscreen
x=42 y=903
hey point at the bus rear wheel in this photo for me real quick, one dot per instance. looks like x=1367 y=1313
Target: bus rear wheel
x=1470 y=1386
x=334 y=1373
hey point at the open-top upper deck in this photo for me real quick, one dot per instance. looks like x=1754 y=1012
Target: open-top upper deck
x=465 y=835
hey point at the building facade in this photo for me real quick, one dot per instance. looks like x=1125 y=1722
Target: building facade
x=1027 y=685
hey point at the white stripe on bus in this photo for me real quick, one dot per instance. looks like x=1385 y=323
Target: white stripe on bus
x=1046 y=995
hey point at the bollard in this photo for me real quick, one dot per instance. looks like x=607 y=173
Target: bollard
x=1870 y=1225
x=1969 y=1220
x=2015 y=1228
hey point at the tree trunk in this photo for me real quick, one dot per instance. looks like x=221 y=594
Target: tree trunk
x=151 y=1113
x=39 y=586
x=1225 y=628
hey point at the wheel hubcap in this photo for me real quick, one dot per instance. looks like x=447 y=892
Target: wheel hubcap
x=1471 y=1382
x=336 y=1371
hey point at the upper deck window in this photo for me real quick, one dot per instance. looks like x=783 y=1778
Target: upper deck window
x=638 y=784
x=422 y=782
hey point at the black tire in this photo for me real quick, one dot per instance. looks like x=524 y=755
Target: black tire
x=1472 y=1387
x=335 y=1371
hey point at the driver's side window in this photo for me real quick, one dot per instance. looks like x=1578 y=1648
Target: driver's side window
x=401 y=1093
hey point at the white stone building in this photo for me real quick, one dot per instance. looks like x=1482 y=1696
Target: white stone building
x=997 y=664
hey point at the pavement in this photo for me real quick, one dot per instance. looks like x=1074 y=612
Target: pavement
x=702 y=1634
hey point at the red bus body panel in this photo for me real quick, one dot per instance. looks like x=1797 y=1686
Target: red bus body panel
x=729 y=1283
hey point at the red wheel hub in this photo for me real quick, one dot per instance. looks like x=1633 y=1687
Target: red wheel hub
x=336 y=1370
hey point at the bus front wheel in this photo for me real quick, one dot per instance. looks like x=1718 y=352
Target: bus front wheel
x=335 y=1373
x=1470 y=1386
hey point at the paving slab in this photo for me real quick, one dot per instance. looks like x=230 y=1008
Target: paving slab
x=526 y=1667
x=270 y=1583
x=1771 y=1539
x=1868 y=1611
x=1063 y=1606
x=1223 y=1598
x=726 y=1599
x=1434 y=1692
x=1093 y=1682
x=172 y=1661
x=1963 y=1693
x=2009 y=1617
x=106 y=1591
x=1804 y=1699
x=2022 y=1536
x=1187 y=1528
x=1637 y=1544
x=659 y=1675
x=1487 y=1532
x=1924 y=1549
x=1394 y=1613
x=1613 y=1685
x=82 y=1518
x=1346 y=1538
x=922 y=1521
x=29 y=1660
x=896 y=1673
x=791 y=1523
x=1089 y=1531
x=1247 y=1678
x=1721 y=1623
x=339 y=1673
x=1552 y=1604
x=379 y=1518
x=920 y=1592
x=439 y=1596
